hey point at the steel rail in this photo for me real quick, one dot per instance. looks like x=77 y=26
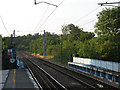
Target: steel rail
x=40 y=87
x=57 y=65
x=45 y=82
x=80 y=81
x=59 y=85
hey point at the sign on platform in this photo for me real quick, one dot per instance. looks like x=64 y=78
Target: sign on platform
x=12 y=60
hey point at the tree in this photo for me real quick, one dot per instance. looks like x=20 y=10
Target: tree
x=71 y=29
x=65 y=30
x=108 y=22
x=75 y=33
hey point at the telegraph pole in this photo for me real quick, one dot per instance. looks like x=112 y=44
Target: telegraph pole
x=61 y=48
x=14 y=34
x=12 y=48
x=44 y=42
x=14 y=42
x=12 y=59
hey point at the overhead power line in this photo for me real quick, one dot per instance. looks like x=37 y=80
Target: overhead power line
x=46 y=3
x=88 y=22
x=50 y=14
x=112 y=21
x=4 y=25
x=42 y=18
x=107 y=0
x=88 y=14
x=47 y=18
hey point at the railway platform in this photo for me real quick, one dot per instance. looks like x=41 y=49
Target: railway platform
x=3 y=77
x=20 y=79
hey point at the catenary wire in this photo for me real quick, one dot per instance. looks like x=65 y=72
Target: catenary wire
x=50 y=15
x=88 y=22
x=4 y=25
x=87 y=14
x=42 y=17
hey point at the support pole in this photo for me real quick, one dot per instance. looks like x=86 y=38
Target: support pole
x=12 y=48
x=108 y=4
x=35 y=2
x=61 y=48
x=14 y=44
x=14 y=34
x=44 y=42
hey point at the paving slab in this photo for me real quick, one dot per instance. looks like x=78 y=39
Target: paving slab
x=3 y=77
x=19 y=78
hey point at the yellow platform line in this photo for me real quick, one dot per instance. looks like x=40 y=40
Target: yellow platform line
x=14 y=78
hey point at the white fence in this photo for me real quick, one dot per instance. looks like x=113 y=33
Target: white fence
x=115 y=66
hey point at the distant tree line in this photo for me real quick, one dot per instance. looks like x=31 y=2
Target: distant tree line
x=78 y=42
x=106 y=46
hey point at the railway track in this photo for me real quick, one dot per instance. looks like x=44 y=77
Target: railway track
x=51 y=67
x=44 y=80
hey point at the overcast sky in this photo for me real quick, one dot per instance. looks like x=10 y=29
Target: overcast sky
x=25 y=17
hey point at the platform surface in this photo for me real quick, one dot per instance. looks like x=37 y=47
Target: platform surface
x=3 y=77
x=20 y=78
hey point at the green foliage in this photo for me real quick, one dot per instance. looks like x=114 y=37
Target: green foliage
x=105 y=48
x=23 y=42
x=108 y=22
x=76 y=33
x=76 y=41
x=71 y=29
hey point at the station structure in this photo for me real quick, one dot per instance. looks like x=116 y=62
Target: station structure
x=107 y=70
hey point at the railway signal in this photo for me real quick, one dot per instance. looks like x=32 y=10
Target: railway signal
x=9 y=51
